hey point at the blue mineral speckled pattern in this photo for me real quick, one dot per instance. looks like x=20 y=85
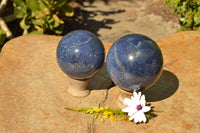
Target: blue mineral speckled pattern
x=80 y=54
x=134 y=62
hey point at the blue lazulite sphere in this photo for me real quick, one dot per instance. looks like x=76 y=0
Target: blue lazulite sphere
x=80 y=54
x=134 y=62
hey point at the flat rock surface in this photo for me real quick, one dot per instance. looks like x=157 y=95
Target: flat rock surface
x=33 y=90
x=122 y=17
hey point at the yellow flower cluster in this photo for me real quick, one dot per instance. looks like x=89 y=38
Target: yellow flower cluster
x=105 y=112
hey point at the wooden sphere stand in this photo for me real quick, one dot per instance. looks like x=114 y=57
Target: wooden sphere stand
x=78 y=88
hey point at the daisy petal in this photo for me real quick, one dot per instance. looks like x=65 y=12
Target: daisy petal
x=126 y=109
x=136 y=120
x=146 y=108
x=140 y=116
x=131 y=118
x=142 y=100
x=132 y=111
x=132 y=98
x=139 y=94
x=143 y=117
x=127 y=102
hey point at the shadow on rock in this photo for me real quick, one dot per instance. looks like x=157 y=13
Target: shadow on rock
x=165 y=87
x=85 y=20
x=101 y=80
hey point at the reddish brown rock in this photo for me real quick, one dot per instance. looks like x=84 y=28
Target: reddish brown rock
x=33 y=90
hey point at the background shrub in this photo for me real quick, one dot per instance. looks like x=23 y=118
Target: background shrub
x=19 y=17
x=188 y=11
x=42 y=16
x=2 y=37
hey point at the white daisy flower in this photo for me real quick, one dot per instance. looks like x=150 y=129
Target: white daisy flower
x=136 y=107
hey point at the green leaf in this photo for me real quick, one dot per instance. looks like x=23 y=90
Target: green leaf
x=19 y=8
x=36 y=32
x=33 y=5
x=184 y=6
x=189 y=23
x=24 y=23
x=43 y=9
x=39 y=22
x=55 y=24
x=148 y=116
x=49 y=19
x=68 y=11
x=42 y=5
x=59 y=30
x=57 y=19
x=197 y=20
x=182 y=20
x=2 y=37
x=46 y=3
x=197 y=17
x=42 y=14
x=58 y=3
x=18 y=2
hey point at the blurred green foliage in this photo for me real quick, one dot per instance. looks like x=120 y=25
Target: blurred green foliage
x=42 y=16
x=2 y=37
x=188 y=11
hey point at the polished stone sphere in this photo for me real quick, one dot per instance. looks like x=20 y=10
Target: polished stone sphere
x=134 y=62
x=80 y=54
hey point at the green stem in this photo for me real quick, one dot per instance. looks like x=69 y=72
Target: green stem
x=73 y=109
